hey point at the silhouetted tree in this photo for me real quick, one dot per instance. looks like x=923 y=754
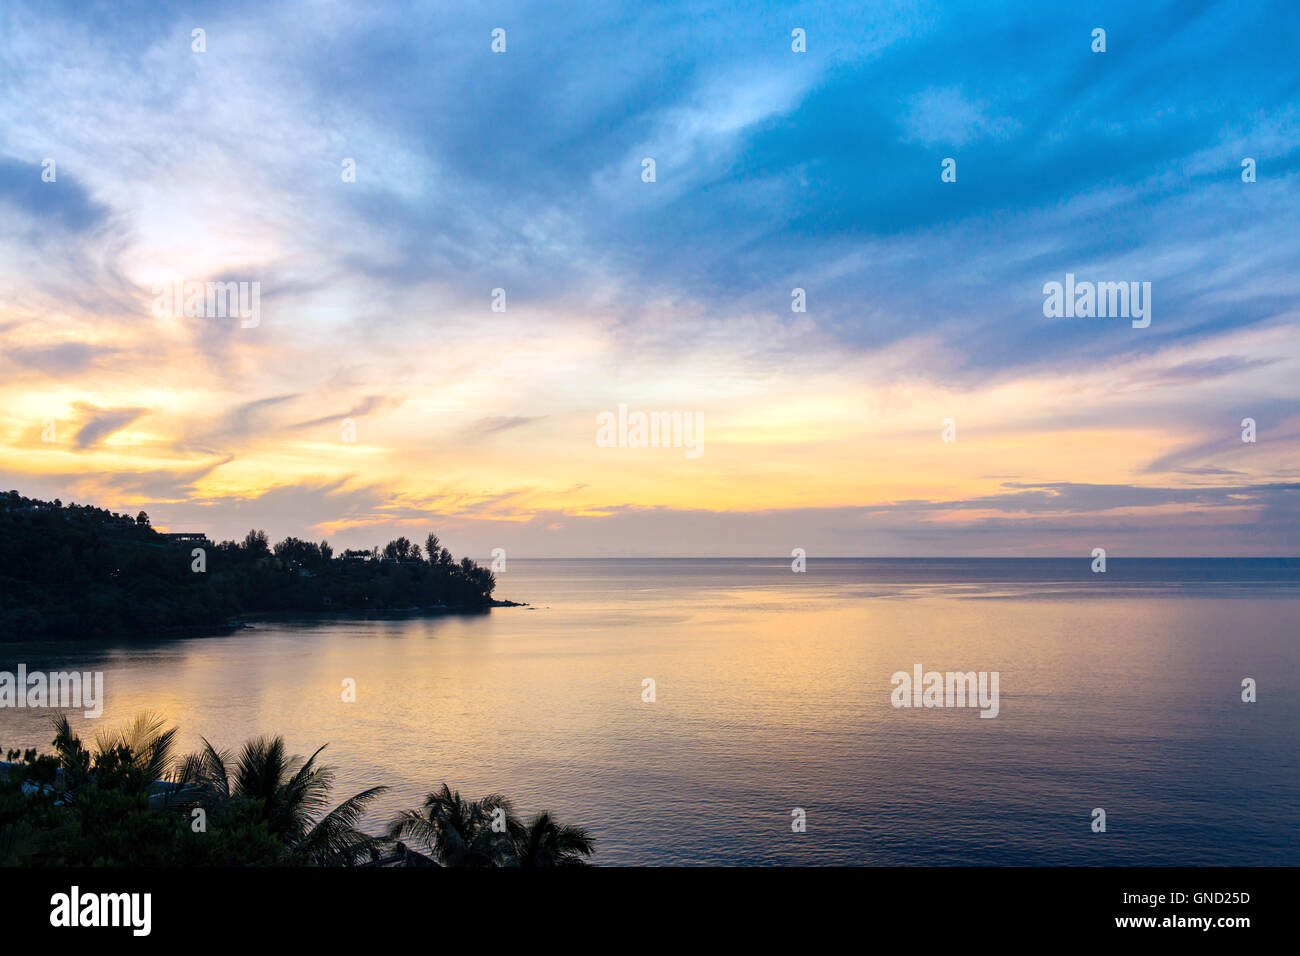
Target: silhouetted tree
x=458 y=832
x=290 y=794
x=401 y=549
x=543 y=842
x=256 y=544
x=81 y=571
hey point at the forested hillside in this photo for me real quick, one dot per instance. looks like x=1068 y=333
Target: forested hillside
x=75 y=571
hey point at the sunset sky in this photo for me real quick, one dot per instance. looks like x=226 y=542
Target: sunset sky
x=775 y=170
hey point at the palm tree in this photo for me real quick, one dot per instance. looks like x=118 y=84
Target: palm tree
x=543 y=842
x=292 y=794
x=459 y=832
x=144 y=749
x=149 y=741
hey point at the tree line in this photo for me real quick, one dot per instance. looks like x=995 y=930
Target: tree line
x=129 y=800
x=77 y=571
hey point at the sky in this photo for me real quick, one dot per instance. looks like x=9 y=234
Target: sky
x=438 y=335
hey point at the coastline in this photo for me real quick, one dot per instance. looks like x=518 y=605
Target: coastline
x=251 y=620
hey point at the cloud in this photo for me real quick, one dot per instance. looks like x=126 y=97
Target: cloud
x=777 y=171
x=63 y=204
x=246 y=420
x=1056 y=519
x=500 y=423
x=945 y=117
x=1208 y=369
x=99 y=423
x=64 y=359
x=367 y=405
x=1079 y=498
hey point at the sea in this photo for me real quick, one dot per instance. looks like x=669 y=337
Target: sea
x=739 y=712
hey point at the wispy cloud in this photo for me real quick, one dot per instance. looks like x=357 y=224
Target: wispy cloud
x=500 y=423
x=776 y=170
x=99 y=423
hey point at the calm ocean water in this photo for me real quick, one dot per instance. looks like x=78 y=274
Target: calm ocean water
x=1119 y=691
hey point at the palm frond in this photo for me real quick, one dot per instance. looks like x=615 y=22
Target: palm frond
x=335 y=839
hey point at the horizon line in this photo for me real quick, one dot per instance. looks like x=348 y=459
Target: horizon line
x=927 y=557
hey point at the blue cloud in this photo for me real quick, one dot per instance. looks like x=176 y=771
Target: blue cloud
x=63 y=203
x=776 y=169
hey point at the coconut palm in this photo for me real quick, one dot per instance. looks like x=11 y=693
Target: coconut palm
x=459 y=832
x=143 y=748
x=292 y=794
x=543 y=842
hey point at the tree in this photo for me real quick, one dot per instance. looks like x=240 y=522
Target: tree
x=543 y=842
x=139 y=755
x=290 y=794
x=458 y=832
x=142 y=520
x=296 y=553
x=400 y=549
x=256 y=544
x=127 y=803
x=83 y=572
x=119 y=805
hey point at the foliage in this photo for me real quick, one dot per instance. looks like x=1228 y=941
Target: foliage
x=126 y=802
x=77 y=571
x=480 y=833
x=543 y=842
x=288 y=794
